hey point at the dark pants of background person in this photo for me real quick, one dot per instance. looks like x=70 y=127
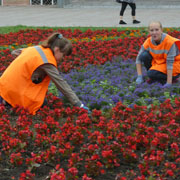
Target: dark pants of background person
x=124 y=5
x=154 y=75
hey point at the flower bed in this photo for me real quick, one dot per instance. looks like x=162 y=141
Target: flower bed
x=132 y=133
x=101 y=87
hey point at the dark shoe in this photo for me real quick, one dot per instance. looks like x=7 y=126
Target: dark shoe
x=150 y=81
x=122 y=22
x=175 y=81
x=136 y=22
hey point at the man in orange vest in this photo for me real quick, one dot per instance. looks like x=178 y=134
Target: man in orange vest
x=160 y=54
x=26 y=80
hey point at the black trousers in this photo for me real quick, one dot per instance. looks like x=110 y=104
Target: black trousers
x=123 y=8
x=146 y=58
x=2 y=101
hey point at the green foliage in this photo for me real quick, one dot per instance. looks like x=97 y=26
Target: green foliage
x=8 y=29
x=52 y=89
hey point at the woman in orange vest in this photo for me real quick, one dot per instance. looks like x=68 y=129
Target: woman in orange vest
x=160 y=54
x=25 y=82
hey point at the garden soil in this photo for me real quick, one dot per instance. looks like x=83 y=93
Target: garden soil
x=43 y=171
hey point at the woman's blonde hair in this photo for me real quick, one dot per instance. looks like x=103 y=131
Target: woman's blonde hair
x=155 y=22
x=57 y=40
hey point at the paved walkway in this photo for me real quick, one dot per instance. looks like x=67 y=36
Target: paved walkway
x=90 y=16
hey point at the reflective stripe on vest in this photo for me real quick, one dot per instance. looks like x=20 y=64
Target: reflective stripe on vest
x=155 y=51
x=43 y=56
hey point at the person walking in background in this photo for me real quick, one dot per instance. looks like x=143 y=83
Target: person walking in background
x=160 y=54
x=26 y=80
x=124 y=4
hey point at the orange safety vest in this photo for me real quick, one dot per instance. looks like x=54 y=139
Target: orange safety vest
x=159 y=54
x=16 y=86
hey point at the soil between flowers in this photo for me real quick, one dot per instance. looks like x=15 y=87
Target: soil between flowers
x=43 y=171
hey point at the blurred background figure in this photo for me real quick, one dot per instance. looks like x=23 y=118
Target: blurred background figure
x=124 y=4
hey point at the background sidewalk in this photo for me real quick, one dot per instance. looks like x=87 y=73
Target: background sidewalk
x=140 y=3
x=96 y=15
